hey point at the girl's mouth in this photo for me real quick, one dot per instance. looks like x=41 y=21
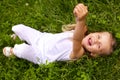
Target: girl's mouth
x=89 y=41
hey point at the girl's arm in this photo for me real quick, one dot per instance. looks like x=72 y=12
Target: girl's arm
x=80 y=11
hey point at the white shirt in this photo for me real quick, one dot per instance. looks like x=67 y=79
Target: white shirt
x=55 y=47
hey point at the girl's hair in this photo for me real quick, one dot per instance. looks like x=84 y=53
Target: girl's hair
x=113 y=43
x=68 y=27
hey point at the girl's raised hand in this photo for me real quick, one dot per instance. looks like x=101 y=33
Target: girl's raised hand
x=80 y=11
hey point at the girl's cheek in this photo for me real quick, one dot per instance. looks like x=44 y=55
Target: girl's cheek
x=94 y=47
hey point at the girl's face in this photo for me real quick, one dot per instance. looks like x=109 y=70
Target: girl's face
x=97 y=43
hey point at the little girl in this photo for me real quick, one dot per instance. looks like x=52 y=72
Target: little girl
x=68 y=45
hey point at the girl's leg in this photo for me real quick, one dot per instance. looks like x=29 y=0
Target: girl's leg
x=27 y=34
x=27 y=52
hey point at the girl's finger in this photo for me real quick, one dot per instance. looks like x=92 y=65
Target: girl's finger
x=75 y=12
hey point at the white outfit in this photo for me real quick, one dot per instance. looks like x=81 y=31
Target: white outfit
x=42 y=47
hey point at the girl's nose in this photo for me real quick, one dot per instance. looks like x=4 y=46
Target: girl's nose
x=96 y=40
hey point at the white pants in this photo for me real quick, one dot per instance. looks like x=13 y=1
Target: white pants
x=26 y=51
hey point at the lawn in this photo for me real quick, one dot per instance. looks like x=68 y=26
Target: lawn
x=49 y=16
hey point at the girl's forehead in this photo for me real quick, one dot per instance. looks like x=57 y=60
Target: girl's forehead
x=106 y=41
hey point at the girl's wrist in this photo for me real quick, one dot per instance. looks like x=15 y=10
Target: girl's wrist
x=80 y=20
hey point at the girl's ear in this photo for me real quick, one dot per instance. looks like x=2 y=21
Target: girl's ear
x=94 y=55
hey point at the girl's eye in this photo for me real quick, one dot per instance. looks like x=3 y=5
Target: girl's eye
x=99 y=46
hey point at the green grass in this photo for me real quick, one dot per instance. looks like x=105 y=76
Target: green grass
x=49 y=16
